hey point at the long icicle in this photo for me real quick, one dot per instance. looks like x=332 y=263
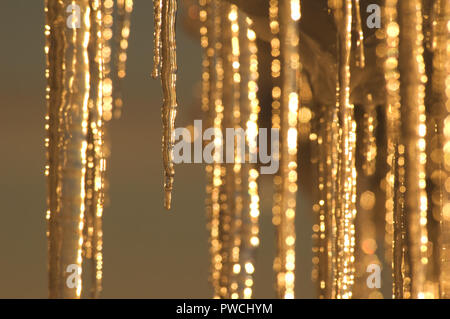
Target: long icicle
x=274 y=17
x=229 y=13
x=441 y=98
x=324 y=139
x=93 y=153
x=346 y=210
x=250 y=110
x=208 y=16
x=68 y=115
x=365 y=222
x=393 y=248
x=289 y=15
x=332 y=191
x=412 y=91
x=368 y=196
x=216 y=171
x=235 y=172
x=55 y=92
x=168 y=81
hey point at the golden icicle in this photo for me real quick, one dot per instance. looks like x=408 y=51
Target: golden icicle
x=209 y=33
x=276 y=121
x=365 y=222
x=332 y=174
x=54 y=49
x=360 y=55
x=250 y=110
x=215 y=171
x=394 y=210
x=168 y=81
x=346 y=188
x=220 y=169
x=95 y=168
x=323 y=139
x=227 y=215
x=289 y=15
x=68 y=114
x=441 y=98
x=412 y=91
x=232 y=103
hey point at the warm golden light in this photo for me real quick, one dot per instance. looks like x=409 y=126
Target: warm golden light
x=363 y=118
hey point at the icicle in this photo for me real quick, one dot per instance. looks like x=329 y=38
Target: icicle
x=349 y=262
x=209 y=35
x=168 y=81
x=55 y=92
x=215 y=172
x=157 y=19
x=276 y=121
x=286 y=182
x=332 y=183
x=441 y=105
x=234 y=171
x=250 y=110
x=229 y=13
x=360 y=55
x=124 y=9
x=367 y=195
x=412 y=90
x=68 y=72
x=325 y=143
x=95 y=168
x=107 y=14
x=346 y=188
x=393 y=255
x=322 y=139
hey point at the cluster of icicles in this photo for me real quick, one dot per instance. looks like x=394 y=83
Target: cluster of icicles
x=80 y=101
x=414 y=183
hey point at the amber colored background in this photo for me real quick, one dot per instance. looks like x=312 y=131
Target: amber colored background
x=148 y=252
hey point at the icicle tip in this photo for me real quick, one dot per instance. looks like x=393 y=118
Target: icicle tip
x=167 y=199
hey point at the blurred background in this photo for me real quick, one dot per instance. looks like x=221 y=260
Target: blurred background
x=148 y=252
